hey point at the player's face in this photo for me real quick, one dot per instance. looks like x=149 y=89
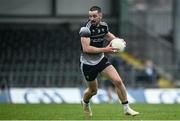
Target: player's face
x=95 y=17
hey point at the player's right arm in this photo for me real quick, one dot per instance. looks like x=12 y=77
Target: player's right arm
x=87 y=48
x=85 y=42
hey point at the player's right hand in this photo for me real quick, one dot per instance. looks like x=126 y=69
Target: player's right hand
x=111 y=49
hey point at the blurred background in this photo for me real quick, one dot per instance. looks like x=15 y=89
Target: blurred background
x=40 y=45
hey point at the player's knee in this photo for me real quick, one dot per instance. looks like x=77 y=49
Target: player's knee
x=93 y=91
x=117 y=82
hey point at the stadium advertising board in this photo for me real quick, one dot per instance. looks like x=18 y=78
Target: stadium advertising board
x=167 y=96
x=73 y=95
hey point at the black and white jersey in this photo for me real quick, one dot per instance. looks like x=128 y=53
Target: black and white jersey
x=96 y=35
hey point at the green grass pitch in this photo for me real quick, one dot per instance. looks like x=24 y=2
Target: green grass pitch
x=100 y=112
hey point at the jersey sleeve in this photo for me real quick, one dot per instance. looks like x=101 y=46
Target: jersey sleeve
x=84 y=32
x=107 y=27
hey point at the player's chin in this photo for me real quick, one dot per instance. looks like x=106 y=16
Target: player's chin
x=94 y=23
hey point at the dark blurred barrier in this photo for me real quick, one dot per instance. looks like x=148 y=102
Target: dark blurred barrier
x=47 y=55
x=39 y=55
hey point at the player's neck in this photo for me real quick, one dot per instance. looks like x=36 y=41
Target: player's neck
x=97 y=25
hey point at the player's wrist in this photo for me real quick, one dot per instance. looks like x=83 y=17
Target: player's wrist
x=105 y=49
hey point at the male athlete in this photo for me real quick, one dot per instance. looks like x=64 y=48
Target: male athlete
x=94 y=62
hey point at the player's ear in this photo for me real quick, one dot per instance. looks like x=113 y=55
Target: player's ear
x=100 y=14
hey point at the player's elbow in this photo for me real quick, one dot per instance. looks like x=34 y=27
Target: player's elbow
x=90 y=49
x=86 y=49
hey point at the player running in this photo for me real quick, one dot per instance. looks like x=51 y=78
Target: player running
x=94 y=62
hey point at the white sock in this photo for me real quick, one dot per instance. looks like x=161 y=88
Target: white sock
x=126 y=106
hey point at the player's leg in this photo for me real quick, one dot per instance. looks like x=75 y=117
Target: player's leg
x=113 y=75
x=89 y=73
x=88 y=93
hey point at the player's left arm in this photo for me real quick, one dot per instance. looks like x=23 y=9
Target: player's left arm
x=110 y=36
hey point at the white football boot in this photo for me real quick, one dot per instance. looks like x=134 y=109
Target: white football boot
x=86 y=108
x=131 y=112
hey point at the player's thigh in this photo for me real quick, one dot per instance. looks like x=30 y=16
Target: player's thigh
x=111 y=73
x=92 y=85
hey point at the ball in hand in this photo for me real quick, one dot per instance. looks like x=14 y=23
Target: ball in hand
x=118 y=43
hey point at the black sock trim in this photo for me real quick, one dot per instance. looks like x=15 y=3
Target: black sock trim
x=125 y=102
x=86 y=101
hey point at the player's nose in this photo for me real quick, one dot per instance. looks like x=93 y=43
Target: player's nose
x=91 y=19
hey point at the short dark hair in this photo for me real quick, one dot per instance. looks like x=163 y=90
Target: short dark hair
x=94 y=8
